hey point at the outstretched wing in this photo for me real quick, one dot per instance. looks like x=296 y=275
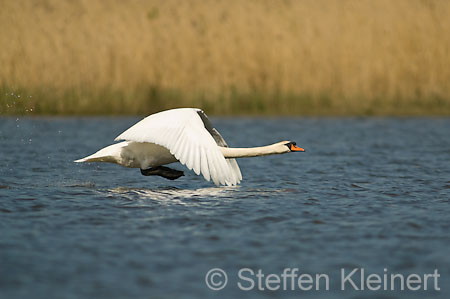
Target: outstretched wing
x=220 y=142
x=186 y=133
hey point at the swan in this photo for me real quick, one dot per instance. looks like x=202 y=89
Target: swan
x=185 y=135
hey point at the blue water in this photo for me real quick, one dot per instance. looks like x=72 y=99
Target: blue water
x=370 y=193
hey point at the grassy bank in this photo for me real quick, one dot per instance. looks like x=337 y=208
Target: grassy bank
x=311 y=57
x=143 y=101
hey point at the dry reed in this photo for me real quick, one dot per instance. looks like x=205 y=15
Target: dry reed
x=286 y=57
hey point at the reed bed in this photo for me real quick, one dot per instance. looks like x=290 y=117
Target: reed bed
x=310 y=57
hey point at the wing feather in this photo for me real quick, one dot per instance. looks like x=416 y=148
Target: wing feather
x=190 y=137
x=204 y=164
x=213 y=169
x=185 y=153
x=190 y=157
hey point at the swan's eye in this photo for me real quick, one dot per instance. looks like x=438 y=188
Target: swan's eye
x=290 y=144
x=293 y=147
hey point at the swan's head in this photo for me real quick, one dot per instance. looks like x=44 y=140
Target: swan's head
x=292 y=147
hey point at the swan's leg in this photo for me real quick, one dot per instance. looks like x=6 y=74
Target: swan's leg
x=165 y=172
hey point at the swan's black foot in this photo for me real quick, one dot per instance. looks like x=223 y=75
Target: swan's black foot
x=165 y=172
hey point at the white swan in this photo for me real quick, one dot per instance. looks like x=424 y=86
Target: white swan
x=185 y=135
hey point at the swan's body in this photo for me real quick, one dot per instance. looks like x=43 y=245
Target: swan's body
x=133 y=154
x=184 y=135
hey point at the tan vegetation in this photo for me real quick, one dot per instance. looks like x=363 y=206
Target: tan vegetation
x=264 y=56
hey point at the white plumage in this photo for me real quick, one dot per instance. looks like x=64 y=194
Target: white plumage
x=183 y=132
x=184 y=135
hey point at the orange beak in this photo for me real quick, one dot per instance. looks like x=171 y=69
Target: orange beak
x=295 y=148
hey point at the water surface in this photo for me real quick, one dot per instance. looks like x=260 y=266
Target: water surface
x=368 y=193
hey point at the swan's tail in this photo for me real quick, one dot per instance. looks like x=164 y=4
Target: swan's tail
x=93 y=158
x=86 y=159
x=108 y=154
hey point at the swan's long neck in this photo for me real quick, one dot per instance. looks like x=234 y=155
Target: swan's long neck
x=272 y=149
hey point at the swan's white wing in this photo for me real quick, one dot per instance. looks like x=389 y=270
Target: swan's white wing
x=184 y=133
x=220 y=142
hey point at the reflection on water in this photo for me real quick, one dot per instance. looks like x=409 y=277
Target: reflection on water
x=174 y=194
x=369 y=193
x=170 y=193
